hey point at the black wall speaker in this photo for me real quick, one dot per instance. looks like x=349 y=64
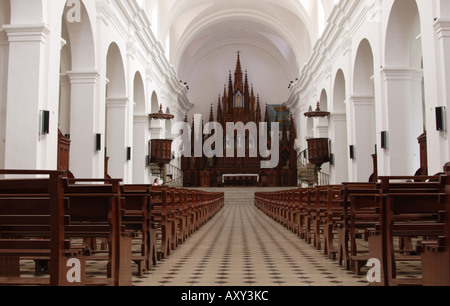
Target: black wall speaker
x=45 y=122
x=98 y=142
x=352 y=152
x=384 y=140
x=332 y=159
x=440 y=118
x=129 y=153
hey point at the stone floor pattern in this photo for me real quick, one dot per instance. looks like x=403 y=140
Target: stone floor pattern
x=241 y=246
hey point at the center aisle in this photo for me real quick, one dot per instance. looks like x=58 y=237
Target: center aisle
x=241 y=246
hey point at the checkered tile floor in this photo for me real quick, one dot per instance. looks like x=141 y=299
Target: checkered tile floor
x=241 y=246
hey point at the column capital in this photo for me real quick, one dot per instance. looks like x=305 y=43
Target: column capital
x=442 y=27
x=83 y=77
x=338 y=117
x=27 y=32
x=362 y=100
x=121 y=102
x=396 y=73
x=140 y=119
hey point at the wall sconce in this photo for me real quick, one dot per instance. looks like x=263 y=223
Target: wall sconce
x=352 y=152
x=384 y=140
x=440 y=119
x=45 y=122
x=98 y=142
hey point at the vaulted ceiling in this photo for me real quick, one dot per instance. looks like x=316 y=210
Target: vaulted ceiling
x=284 y=30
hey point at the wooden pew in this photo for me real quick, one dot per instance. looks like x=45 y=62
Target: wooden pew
x=302 y=198
x=435 y=254
x=388 y=216
x=318 y=211
x=137 y=217
x=291 y=211
x=407 y=210
x=182 y=212
x=356 y=200
x=309 y=204
x=96 y=211
x=32 y=224
x=172 y=217
x=191 y=212
x=333 y=215
x=364 y=216
x=296 y=211
x=160 y=217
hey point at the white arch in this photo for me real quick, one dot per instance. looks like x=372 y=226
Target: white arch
x=403 y=79
x=117 y=114
x=339 y=93
x=363 y=70
x=140 y=132
x=363 y=113
x=403 y=48
x=338 y=130
x=115 y=72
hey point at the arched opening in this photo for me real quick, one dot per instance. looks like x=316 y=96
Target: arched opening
x=154 y=103
x=363 y=114
x=338 y=131
x=156 y=128
x=77 y=95
x=140 y=132
x=117 y=119
x=321 y=126
x=168 y=126
x=403 y=79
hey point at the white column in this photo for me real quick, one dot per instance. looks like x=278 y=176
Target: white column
x=85 y=162
x=339 y=148
x=404 y=120
x=25 y=97
x=362 y=127
x=157 y=130
x=64 y=104
x=321 y=128
x=116 y=139
x=141 y=173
